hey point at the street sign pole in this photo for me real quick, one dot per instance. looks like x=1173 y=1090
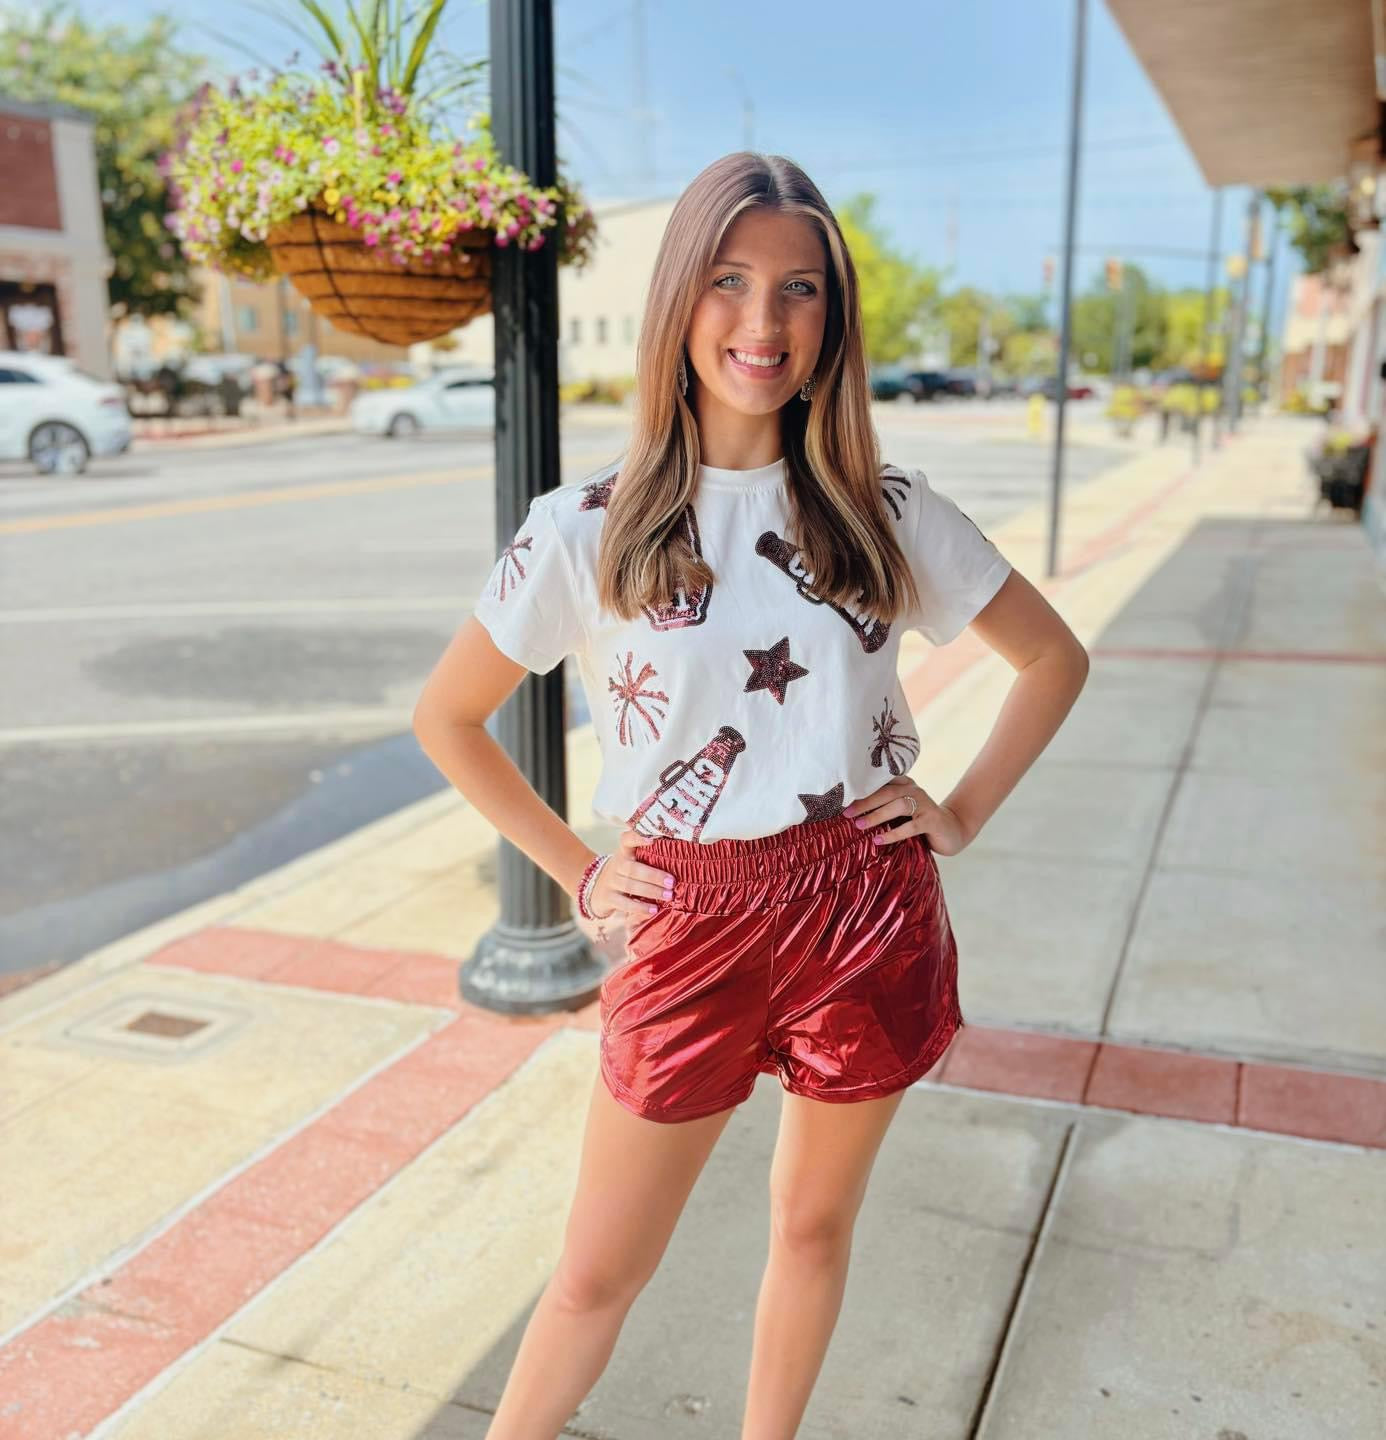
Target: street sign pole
x=1075 y=123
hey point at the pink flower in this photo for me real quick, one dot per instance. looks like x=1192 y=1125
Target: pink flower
x=394 y=177
x=513 y=229
x=371 y=238
x=502 y=239
x=479 y=163
x=387 y=130
x=237 y=165
x=331 y=144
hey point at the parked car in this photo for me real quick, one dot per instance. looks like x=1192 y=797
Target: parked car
x=966 y=383
x=1049 y=388
x=888 y=382
x=926 y=384
x=57 y=416
x=451 y=399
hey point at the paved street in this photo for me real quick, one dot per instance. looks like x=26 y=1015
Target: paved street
x=213 y=652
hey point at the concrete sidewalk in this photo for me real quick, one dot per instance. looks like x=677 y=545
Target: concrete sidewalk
x=271 y=1178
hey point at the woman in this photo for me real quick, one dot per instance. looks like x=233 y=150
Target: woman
x=734 y=591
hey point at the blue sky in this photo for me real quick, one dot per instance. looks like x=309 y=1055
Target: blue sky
x=954 y=114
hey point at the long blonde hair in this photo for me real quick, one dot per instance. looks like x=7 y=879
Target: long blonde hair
x=838 y=516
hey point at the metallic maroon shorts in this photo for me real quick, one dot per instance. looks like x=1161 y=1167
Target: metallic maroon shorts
x=813 y=952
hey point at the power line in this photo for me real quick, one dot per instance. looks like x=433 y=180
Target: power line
x=1005 y=152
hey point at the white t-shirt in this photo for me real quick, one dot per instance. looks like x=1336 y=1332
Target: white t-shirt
x=751 y=705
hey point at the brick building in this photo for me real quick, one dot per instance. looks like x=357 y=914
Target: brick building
x=53 y=257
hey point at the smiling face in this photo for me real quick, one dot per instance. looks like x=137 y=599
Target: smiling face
x=764 y=299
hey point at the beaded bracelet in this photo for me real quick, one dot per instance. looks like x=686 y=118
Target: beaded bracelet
x=584 y=889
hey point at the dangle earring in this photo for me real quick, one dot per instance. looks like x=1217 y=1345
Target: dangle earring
x=806 y=389
x=683 y=376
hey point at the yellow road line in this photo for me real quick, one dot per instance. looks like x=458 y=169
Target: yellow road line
x=168 y=508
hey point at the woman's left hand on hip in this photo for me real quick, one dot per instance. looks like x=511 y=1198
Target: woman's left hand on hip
x=898 y=797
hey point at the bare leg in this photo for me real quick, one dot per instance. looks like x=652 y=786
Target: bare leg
x=823 y=1157
x=633 y=1180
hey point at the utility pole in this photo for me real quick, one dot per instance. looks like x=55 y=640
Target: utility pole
x=1237 y=335
x=1126 y=323
x=1075 y=124
x=1209 y=296
x=640 y=91
x=1266 y=303
x=534 y=959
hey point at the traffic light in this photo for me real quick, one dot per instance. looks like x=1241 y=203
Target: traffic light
x=1113 y=274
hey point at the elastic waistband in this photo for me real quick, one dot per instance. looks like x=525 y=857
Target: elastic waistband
x=709 y=874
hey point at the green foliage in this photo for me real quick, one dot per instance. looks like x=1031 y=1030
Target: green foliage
x=1167 y=325
x=1027 y=353
x=963 y=312
x=131 y=82
x=1028 y=313
x=896 y=294
x=611 y=391
x=1184 y=310
x=391 y=44
x=1320 y=225
x=1097 y=317
x=1127 y=403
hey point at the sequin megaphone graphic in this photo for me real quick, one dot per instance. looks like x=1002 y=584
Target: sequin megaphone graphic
x=872 y=632
x=688 y=789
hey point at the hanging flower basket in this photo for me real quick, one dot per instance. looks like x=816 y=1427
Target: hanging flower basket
x=364 y=292
x=352 y=187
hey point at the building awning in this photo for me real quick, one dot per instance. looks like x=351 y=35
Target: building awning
x=1264 y=92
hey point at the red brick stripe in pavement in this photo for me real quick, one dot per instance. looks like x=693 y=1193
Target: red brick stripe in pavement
x=77 y=1365
x=1025 y=1063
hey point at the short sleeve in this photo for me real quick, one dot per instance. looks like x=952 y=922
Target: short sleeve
x=529 y=603
x=956 y=568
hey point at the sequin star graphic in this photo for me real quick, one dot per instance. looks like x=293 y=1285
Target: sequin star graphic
x=824 y=806
x=772 y=669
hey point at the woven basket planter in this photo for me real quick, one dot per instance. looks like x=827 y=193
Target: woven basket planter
x=366 y=293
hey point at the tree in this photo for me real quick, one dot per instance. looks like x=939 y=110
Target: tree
x=1320 y=222
x=1184 y=327
x=133 y=84
x=1028 y=313
x=896 y=294
x=965 y=312
x=1030 y=352
x=1098 y=314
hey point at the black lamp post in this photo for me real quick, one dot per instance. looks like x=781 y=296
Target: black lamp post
x=534 y=959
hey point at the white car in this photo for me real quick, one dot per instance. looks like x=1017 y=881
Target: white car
x=56 y=415
x=449 y=400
